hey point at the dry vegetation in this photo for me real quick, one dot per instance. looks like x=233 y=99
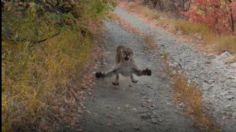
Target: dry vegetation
x=43 y=82
x=149 y=41
x=150 y=14
x=210 y=39
x=185 y=92
x=189 y=94
x=33 y=75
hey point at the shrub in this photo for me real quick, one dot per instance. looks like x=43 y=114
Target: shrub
x=45 y=44
x=211 y=11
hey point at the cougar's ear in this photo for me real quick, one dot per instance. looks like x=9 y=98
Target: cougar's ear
x=130 y=51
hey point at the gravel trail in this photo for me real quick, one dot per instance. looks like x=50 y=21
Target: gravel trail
x=217 y=81
x=146 y=106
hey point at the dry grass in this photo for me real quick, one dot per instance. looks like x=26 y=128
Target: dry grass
x=210 y=39
x=43 y=83
x=32 y=76
x=220 y=42
x=145 y=11
x=185 y=92
x=226 y=43
x=190 y=95
x=149 y=41
x=230 y=60
x=188 y=27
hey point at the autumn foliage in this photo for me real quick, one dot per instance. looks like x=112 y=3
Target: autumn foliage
x=219 y=15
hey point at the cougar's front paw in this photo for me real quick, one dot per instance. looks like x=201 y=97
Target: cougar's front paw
x=134 y=81
x=99 y=75
x=115 y=83
x=147 y=72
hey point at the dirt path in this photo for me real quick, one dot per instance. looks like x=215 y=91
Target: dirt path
x=146 y=106
x=216 y=80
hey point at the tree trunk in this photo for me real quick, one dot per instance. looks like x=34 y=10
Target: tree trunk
x=231 y=18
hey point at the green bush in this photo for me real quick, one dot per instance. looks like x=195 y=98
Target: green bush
x=33 y=21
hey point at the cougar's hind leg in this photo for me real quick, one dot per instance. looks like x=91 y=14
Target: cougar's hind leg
x=132 y=79
x=116 y=82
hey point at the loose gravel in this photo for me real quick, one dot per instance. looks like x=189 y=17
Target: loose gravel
x=217 y=80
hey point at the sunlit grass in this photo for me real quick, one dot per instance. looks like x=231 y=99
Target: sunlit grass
x=185 y=92
x=192 y=28
x=31 y=74
x=190 y=95
x=226 y=43
x=41 y=68
x=145 y=11
x=210 y=38
x=221 y=42
x=149 y=41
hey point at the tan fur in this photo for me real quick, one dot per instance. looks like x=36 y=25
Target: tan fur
x=120 y=53
x=125 y=66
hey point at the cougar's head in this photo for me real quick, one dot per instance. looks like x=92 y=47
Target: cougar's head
x=127 y=54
